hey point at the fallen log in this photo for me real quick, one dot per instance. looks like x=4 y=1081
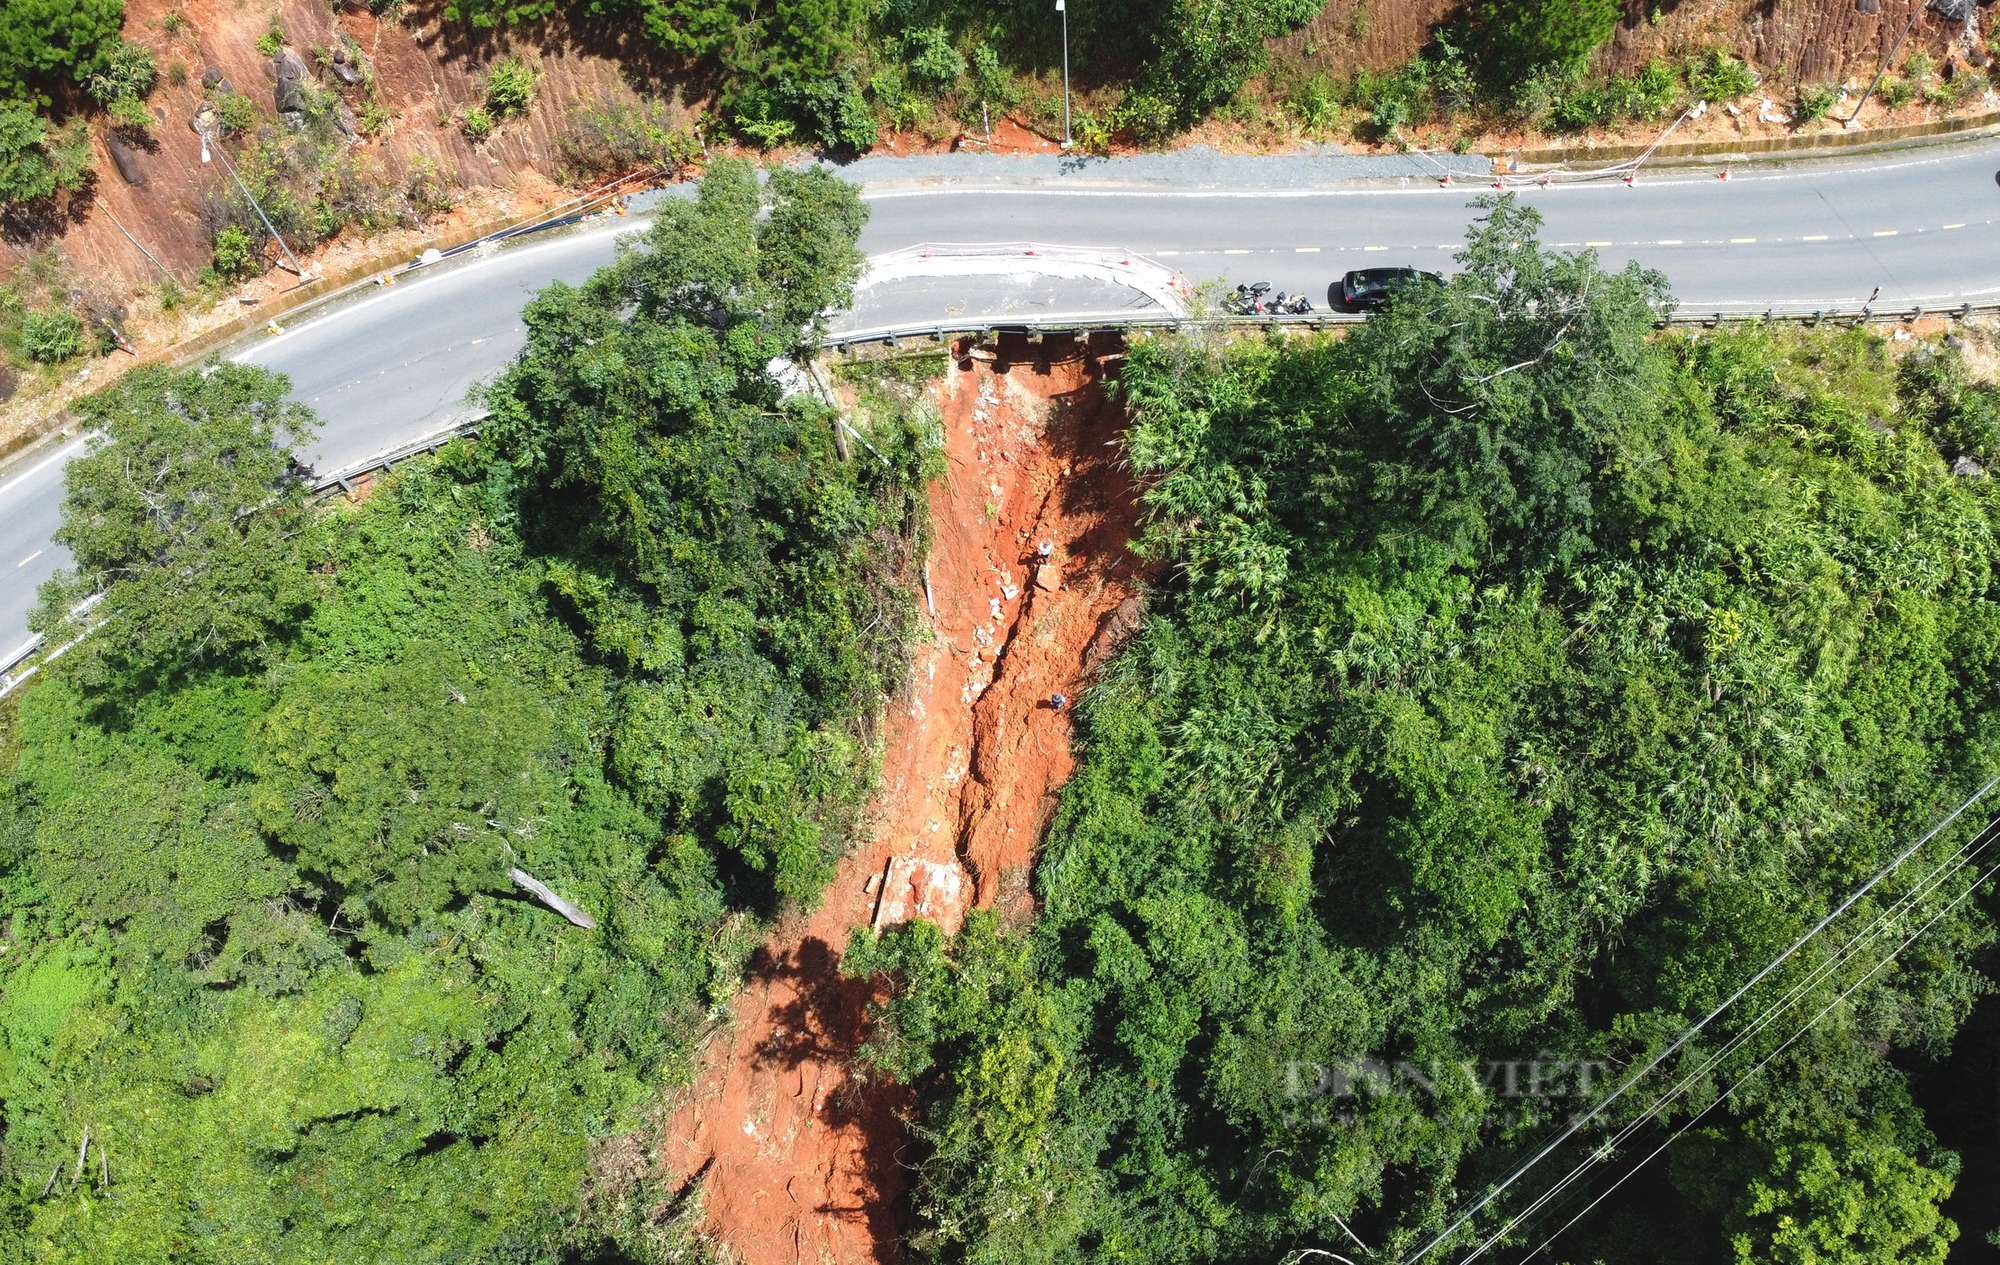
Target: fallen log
x=549 y=898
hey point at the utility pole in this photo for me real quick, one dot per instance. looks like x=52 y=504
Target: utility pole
x=1062 y=7
x=298 y=270
x=1875 y=6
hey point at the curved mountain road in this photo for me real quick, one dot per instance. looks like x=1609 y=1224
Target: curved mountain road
x=1923 y=225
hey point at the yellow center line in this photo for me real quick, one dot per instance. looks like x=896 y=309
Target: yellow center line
x=30 y=558
x=1374 y=248
x=1670 y=241
x=1447 y=245
x=1166 y=252
x=1738 y=241
x=1597 y=243
x=1306 y=250
x=1820 y=238
x=1954 y=226
x=1887 y=232
x=1235 y=252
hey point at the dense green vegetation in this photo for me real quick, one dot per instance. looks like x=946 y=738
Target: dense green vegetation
x=43 y=42
x=257 y=932
x=826 y=71
x=50 y=45
x=833 y=74
x=1523 y=681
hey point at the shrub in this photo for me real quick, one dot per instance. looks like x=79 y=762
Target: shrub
x=170 y=295
x=128 y=114
x=1090 y=133
x=903 y=108
x=476 y=123
x=36 y=160
x=625 y=135
x=933 y=62
x=1814 y=102
x=1151 y=119
x=510 y=87
x=767 y=130
x=1451 y=89
x=1897 y=93
x=426 y=188
x=1578 y=109
x=49 y=338
x=1652 y=92
x=235 y=113
x=840 y=117
x=235 y=256
x=1316 y=104
x=271 y=41
x=125 y=70
x=1523 y=36
x=373 y=118
x=1647 y=95
x=1961 y=415
x=1205 y=50
x=1389 y=115
x=1532 y=98
x=1716 y=76
x=992 y=83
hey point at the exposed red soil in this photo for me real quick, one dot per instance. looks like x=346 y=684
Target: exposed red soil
x=1813 y=40
x=800 y=1159
x=426 y=71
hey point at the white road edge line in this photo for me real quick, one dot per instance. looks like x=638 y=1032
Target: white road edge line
x=60 y=454
x=403 y=288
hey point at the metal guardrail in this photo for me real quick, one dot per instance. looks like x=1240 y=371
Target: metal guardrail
x=930 y=335
x=343 y=480
x=17 y=668
x=13 y=660
x=29 y=659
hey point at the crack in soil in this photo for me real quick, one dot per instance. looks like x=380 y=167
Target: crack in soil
x=804 y=1162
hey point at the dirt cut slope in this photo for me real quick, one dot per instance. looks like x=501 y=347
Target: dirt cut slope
x=799 y=1159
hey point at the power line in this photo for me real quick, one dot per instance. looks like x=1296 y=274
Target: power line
x=1972 y=847
x=1806 y=1027
x=1578 y=1124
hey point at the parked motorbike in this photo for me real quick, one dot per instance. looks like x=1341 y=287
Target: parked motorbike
x=1255 y=299
x=1248 y=300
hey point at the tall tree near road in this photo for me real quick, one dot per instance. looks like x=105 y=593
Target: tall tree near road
x=187 y=512
x=701 y=529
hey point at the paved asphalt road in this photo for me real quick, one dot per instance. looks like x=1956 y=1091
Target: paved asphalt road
x=1924 y=225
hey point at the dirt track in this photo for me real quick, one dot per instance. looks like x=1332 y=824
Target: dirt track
x=799 y=1161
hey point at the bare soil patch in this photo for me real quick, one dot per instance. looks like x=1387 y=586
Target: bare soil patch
x=800 y=1159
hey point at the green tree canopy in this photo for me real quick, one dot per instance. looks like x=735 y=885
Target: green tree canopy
x=1521 y=682
x=36 y=159
x=261 y=935
x=690 y=517
x=43 y=40
x=186 y=512
x=1524 y=36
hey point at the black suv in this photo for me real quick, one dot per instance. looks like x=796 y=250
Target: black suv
x=1368 y=289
